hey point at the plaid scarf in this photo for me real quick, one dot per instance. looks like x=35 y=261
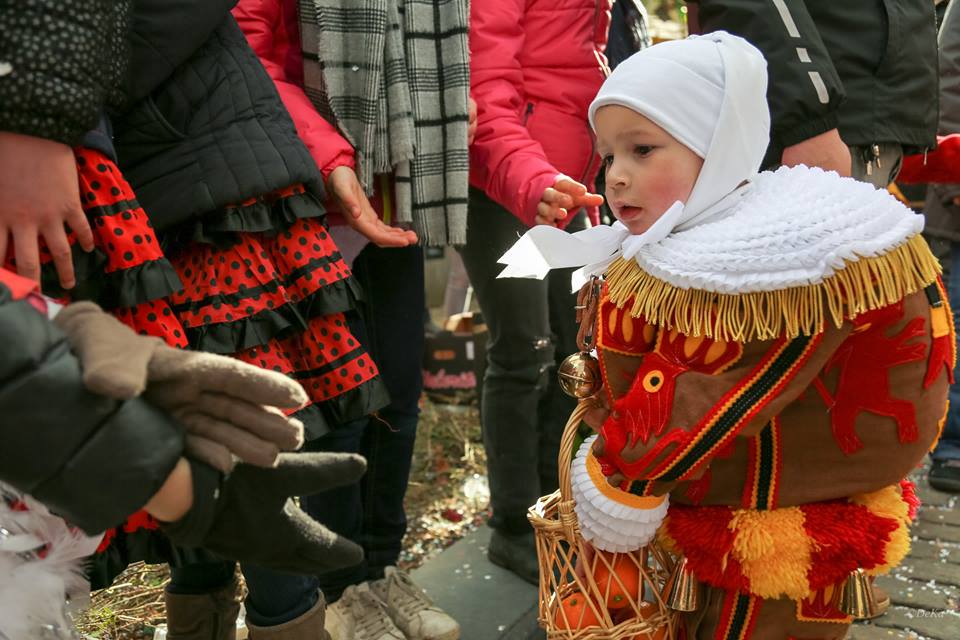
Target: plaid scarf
x=393 y=75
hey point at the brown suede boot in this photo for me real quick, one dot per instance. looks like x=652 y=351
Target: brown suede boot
x=309 y=626
x=208 y=616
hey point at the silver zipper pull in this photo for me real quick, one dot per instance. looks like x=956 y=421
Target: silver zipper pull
x=876 y=155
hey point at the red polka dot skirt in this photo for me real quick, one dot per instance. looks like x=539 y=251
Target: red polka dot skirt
x=280 y=300
x=127 y=275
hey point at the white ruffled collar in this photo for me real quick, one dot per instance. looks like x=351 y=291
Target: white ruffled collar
x=791 y=227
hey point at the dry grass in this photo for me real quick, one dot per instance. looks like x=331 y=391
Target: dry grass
x=448 y=452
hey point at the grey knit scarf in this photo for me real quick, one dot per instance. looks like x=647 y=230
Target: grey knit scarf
x=393 y=75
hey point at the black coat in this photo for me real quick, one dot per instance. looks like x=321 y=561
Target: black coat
x=208 y=129
x=91 y=459
x=67 y=61
x=943 y=217
x=875 y=66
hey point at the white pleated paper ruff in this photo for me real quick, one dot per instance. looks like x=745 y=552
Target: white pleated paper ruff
x=606 y=524
x=793 y=227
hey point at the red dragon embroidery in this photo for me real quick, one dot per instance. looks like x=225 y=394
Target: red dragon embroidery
x=643 y=412
x=865 y=360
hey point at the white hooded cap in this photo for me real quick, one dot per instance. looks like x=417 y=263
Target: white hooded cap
x=708 y=92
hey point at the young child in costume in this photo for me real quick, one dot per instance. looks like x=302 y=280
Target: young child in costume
x=775 y=350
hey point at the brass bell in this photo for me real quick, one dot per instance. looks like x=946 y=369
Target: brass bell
x=856 y=597
x=682 y=588
x=580 y=375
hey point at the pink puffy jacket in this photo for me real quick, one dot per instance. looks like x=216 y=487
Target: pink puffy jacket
x=273 y=31
x=535 y=65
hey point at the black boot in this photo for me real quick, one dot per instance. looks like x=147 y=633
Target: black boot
x=517 y=553
x=945 y=475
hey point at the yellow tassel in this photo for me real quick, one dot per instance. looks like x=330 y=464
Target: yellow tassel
x=864 y=285
x=774 y=551
x=888 y=503
x=898 y=546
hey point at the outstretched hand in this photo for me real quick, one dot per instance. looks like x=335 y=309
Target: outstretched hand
x=41 y=194
x=347 y=191
x=565 y=194
x=249 y=515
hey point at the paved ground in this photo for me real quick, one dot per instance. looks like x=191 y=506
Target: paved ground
x=925 y=589
x=493 y=604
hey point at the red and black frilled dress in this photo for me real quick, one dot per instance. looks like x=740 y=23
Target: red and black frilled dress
x=126 y=273
x=128 y=276
x=278 y=297
x=264 y=281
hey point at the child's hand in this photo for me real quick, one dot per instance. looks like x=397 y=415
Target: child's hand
x=472 y=120
x=344 y=186
x=565 y=194
x=598 y=413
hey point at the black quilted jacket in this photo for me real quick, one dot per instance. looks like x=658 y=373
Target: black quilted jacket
x=208 y=128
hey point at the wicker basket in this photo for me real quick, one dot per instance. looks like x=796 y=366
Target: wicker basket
x=633 y=582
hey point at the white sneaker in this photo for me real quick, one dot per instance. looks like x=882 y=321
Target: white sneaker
x=359 y=615
x=411 y=609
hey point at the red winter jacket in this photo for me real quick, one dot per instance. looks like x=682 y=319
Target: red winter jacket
x=941 y=166
x=273 y=31
x=535 y=67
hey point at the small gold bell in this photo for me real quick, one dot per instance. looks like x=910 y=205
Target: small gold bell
x=857 y=598
x=580 y=375
x=682 y=588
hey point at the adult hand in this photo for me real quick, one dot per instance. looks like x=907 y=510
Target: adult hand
x=248 y=515
x=826 y=151
x=41 y=194
x=346 y=189
x=472 y=120
x=565 y=194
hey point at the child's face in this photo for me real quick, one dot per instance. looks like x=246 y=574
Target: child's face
x=647 y=169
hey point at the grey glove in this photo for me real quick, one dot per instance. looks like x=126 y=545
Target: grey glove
x=248 y=515
x=224 y=404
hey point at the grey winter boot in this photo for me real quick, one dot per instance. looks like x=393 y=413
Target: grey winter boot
x=309 y=626
x=208 y=616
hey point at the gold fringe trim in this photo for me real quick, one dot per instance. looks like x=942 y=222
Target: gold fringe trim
x=864 y=285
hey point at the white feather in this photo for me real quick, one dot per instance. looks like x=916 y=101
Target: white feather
x=41 y=569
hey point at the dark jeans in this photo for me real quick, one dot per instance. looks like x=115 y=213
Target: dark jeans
x=370 y=512
x=531 y=327
x=949 y=446
x=197 y=579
